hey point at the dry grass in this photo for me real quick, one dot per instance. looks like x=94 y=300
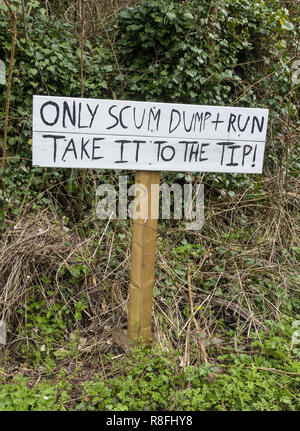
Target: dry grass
x=245 y=275
x=37 y=249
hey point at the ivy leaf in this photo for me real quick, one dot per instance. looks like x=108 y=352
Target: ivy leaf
x=124 y=14
x=227 y=73
x=134 y=27
x=171 y=15
x=188 y=15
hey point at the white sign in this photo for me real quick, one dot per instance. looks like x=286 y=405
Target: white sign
x=117 y=134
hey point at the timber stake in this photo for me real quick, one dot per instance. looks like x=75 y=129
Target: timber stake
x=143 y=258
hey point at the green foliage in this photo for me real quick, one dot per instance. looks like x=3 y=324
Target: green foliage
x=174 y=51
x=18 y=396
x=189 y=249
x=162 y=51
x=170 y=51
x=166 y=48
x=147 y=379
x=243 y=387
x=49 y=330
x=272 y=345
x=47 y=61
x=147 y=384
x=265 y=381
x=239 y=382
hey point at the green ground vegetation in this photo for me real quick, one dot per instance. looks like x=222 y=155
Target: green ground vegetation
x=226 y=317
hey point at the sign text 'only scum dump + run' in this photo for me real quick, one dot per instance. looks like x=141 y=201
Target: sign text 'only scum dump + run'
x=118 y=134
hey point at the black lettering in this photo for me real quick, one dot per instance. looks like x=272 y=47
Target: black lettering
x=134 y=118
x=154 y=115
x=254 y=156
x=112 y=115
x=96 y=147
x=171 y=120
x=83 y=150
x=217 y=121
x=194 y=152
x=66 y=110
x=122 y=142
x=188 y=129
x=165 y=159
x=202 y=152
x=260 y=125
x=49 y=123
x=138 y=148
x=224 y=144
x=245 y=152
x=242 y=129
x=159 y=143
x=232 y=119
x=79 y=118
x=93 y=113
x=232 y=148
x=70 y=147
x=121 y=117
x=207 y=115
x=55 y=138
x=199 y=119
x=187 y=143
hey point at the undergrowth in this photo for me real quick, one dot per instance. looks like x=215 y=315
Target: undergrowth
x=153 y=379
x=64 y=274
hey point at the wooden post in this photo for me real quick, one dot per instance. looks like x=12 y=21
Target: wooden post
x=143 y=260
